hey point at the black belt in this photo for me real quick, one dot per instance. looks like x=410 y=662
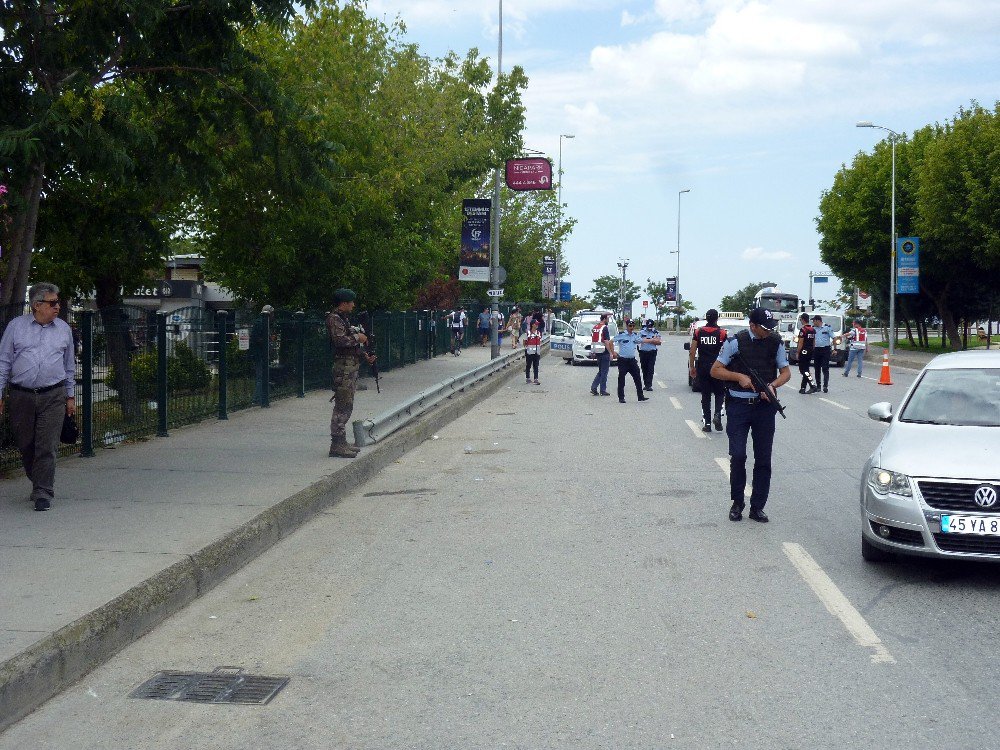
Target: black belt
x=743 y=399
x=46 y=389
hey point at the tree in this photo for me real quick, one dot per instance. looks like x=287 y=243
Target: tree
x=742 y=300
x=606 y=292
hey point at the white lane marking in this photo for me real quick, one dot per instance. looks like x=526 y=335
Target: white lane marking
x=676 y=403
x=724 y=465
x=834 y=403
x=836 y=603
x=695 y=429
x=661 y=384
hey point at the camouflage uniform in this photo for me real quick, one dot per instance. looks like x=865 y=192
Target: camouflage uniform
x=347 y=354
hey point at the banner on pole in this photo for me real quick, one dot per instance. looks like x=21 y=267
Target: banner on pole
x=474 y=258
x=907 y=265
x=529 y=174
x=671 y=293
x=565 y=291
x=549 y=277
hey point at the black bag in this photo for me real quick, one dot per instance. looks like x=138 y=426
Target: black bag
x=70 y=432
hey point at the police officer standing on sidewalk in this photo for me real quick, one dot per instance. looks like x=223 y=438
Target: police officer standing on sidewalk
x=705 y=348
x=804 y=353
x=821 y=352
x=647 y=352
x=627 y=343
x=348 y=351
x=750 y=412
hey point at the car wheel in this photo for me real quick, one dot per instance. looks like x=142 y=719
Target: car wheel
x=572 y=362
x=872 y=553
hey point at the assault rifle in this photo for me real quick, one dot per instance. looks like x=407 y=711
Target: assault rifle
x=369 y=348
x=760 y=386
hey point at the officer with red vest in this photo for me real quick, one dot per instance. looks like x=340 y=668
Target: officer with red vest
x=602 y=348
x=751 y=412
x=858 y=336
x=706 y=344
x=532 y=352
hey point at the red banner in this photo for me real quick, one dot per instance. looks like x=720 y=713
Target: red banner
x=529 y=174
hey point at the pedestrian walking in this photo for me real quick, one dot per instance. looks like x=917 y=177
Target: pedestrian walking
x=484 y=326
x=806 y=343
x=602 y=348
x=627 y=344
x=705 y=347
x=858 y=338
x=37 y=364
x=348 y=351
x=514 y=328
x=822 y=351
x=751 y=412
x=647 y=352
x=532 y=353
x=457 y=321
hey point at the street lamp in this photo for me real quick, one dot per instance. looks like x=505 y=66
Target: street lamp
x=677 y=279
x=559 y=219
x=495 y=237
x=623 y=264
x=893 y=137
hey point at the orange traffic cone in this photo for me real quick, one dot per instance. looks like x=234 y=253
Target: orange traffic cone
x=885 y=378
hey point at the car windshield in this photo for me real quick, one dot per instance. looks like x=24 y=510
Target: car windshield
x=732 y=329
x=586 y=326
x=969 y=397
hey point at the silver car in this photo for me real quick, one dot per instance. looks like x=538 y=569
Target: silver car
x=932 y=487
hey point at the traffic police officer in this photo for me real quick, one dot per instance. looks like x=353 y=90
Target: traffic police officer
x=627 y=343
x=647 y=352
x=705 y=348
x=749 y=411
x=348 y=351
x=821 y=352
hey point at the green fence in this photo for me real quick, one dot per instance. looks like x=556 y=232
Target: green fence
x=142 y=372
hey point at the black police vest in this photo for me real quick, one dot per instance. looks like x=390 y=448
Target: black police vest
x=710 y=340
x=760 y=354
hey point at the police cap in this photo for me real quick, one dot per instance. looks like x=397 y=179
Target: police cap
x=763 y=317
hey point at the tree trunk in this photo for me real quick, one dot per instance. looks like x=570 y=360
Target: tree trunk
x=949 y=328
x=909 y=332
x=19 y=265
x=119 y=346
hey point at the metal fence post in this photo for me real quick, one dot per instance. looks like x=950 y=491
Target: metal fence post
x=221 y=327
x=87 y=405
x=161 y=374
x=300 y=332
x=264 y=369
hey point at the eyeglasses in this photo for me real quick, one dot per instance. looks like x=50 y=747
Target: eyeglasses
x=50 y=302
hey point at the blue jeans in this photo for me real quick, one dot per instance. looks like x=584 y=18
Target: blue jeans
x=742 y=421
x=854 y=354
x=600 y=383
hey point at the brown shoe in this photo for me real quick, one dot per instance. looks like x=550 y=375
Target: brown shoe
x=343 y=450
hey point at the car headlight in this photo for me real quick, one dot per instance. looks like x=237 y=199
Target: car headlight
x=884 y=482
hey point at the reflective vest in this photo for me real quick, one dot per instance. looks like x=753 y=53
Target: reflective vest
x=597 y=345
x=533 y=343
x=860 y=337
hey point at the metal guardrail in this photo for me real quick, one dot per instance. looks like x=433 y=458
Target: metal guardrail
x=370 y=431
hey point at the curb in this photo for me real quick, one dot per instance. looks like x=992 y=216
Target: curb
x=51 y=665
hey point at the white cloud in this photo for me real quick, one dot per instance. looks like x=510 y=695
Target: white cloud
x=758 y=253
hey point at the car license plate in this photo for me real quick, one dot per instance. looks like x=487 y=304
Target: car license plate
x=970 y=525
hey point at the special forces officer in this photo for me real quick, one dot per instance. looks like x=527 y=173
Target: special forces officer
x=647 y=352
x=348 y=352
x=750 y=411
x=804 y=353
x=627 y=343
x=705 y=348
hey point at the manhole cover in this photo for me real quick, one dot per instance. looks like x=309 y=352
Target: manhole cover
x=224 y=685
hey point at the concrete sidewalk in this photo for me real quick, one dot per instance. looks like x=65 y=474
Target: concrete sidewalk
x=137 y=532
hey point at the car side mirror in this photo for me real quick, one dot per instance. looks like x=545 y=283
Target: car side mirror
x=880 y=412
x=687 y=346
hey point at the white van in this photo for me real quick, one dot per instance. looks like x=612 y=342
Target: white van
x=572 y=340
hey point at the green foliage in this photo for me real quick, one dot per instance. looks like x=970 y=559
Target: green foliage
x=239 y=364
x=185 y=372
x=606 y=289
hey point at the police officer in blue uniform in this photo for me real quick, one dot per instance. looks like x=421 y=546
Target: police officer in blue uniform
x=647 y=352
x=749 y=412
x=627 y=344
x=821 y=352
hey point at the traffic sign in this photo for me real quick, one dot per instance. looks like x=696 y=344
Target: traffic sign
x=645 y=303
x=494 y=292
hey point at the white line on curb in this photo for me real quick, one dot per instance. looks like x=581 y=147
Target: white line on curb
x=676 y=403
x=724 y=465
x=834 y=403
x=695 y=429
x=836 y=603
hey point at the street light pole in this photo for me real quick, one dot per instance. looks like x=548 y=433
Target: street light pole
x=495 y=236
x=559 y=220
x=893 y=137
x=677 y=279
x=623 y=264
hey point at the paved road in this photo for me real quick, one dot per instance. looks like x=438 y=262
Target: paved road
x=534 y=578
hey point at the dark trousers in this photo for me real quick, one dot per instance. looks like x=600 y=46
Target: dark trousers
x=743 y=420
x=36 y=420
x=709 y=386
x=531 y=361
x=629 y=366
x=805 y=358
x=821 y=363
x=601 y=378
x=647 y=362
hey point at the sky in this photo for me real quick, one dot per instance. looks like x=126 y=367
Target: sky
x=751 y=105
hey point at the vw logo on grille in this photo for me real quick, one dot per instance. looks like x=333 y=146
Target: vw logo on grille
x=986 y=496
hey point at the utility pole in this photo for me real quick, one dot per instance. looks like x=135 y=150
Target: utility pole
x=623 y=264
x=495 y=236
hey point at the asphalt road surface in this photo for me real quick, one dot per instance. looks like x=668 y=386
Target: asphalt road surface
x=540 y=577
